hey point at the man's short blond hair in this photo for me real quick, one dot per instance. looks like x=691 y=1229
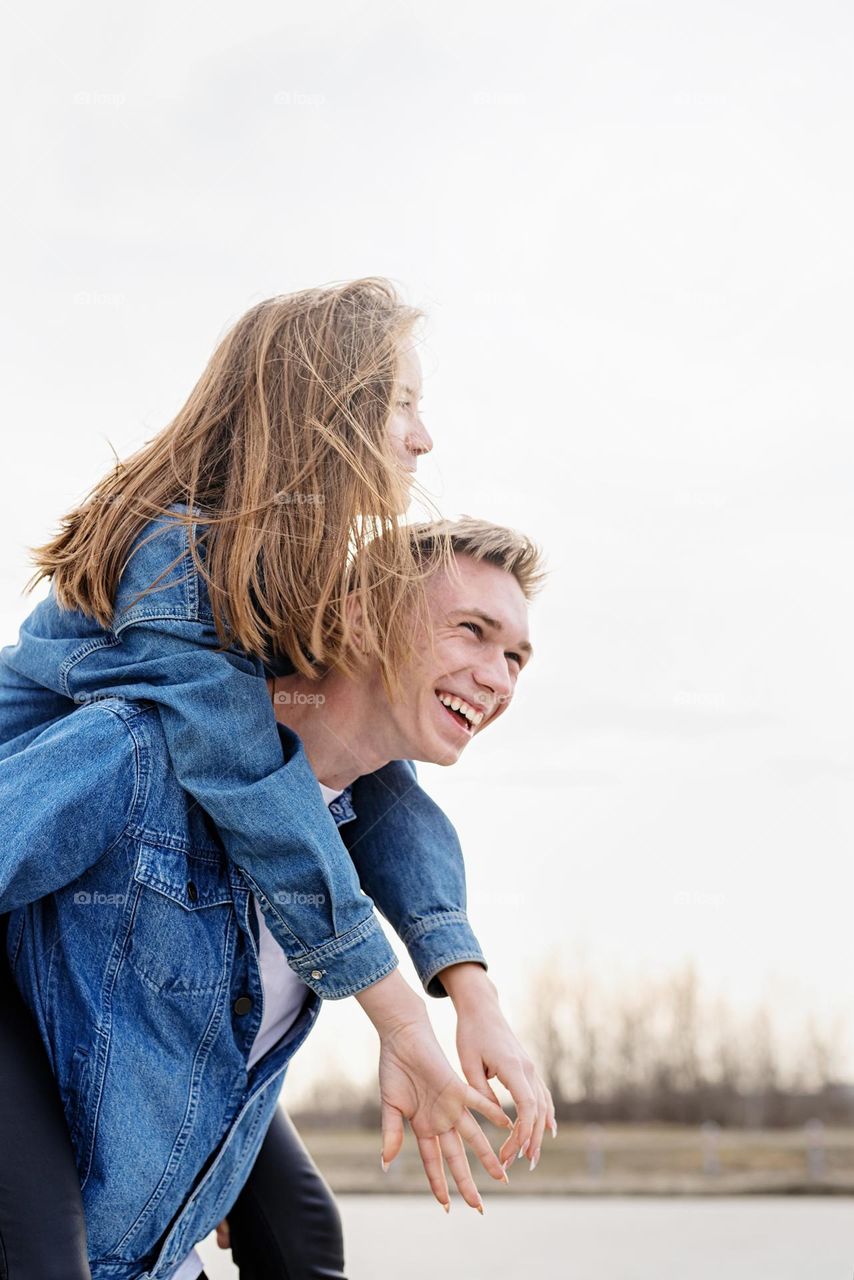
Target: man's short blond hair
x=482 y=540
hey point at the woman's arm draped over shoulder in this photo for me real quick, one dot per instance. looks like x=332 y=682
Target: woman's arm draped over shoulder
x=253 y=778
x=250 y=775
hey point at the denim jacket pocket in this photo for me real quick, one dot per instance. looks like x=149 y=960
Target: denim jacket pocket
x=182 y=922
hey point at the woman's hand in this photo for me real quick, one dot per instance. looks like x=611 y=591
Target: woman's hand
x=417 y=1083
x=223 y=1235
x=487 y=1047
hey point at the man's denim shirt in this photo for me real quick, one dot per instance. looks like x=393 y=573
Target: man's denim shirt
x=140 y=966
x=254 y=783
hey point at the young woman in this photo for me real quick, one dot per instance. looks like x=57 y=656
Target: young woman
x=297 y=444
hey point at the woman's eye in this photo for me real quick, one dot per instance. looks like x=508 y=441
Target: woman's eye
x=476 y=628
x=404 y=404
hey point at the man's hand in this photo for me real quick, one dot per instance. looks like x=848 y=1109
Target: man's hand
x=488 y=1047
x=419 y=1084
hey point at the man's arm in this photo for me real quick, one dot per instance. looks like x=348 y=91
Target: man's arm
x=409 y=860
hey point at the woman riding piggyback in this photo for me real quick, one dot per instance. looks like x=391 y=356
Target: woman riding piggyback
x=288 y=452
x=220 y=553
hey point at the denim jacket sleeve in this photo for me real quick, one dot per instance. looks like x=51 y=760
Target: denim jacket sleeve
x=398 y=834
x=58 y=814
x=257 y=787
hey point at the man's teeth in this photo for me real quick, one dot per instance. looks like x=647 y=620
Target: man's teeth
x=451 y=700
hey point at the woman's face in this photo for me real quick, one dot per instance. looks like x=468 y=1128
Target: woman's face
x=408 y=435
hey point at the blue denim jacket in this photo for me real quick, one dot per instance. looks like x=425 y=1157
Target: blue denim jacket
x=221 y=735
x=141 y=970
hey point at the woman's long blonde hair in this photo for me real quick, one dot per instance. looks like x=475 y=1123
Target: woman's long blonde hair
x=283 y=444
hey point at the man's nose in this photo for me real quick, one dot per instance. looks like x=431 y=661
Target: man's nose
x=495 y=675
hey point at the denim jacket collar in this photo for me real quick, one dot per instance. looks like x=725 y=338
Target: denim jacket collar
x=341 y=807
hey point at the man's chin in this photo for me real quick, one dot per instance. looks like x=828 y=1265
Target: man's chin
x=444 y=755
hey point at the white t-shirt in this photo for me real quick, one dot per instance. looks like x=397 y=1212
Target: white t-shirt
x=284 y=994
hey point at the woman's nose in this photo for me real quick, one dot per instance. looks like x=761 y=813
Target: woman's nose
x=418 y=440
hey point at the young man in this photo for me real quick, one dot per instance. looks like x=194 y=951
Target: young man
x=165 y=1002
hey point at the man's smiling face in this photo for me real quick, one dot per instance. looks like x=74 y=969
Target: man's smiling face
x=465 y=679
x=469 y=645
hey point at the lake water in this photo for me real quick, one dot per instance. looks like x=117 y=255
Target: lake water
x=552 y=1238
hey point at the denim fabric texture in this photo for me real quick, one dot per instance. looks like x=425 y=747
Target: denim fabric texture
x=142 y=974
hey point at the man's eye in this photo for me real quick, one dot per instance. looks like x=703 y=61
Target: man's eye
x=476 y=628
x=514 y=657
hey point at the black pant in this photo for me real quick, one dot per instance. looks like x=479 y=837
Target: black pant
x=285 y=1224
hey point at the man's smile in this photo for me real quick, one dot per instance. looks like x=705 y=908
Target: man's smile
x=463 y=714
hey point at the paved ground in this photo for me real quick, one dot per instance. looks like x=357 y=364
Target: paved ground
x=552 y=1238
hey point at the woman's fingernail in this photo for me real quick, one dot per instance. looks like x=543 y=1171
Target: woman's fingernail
x=479 y=1207
x=446 y=1207
x=384 y=1165
x=553 y=1127
x=504 y=1171
x=534 y=1161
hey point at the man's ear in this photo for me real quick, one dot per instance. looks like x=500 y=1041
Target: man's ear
x=353 y=614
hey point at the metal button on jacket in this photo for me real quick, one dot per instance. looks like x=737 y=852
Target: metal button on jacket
x=242 y=1004
x=317 y=973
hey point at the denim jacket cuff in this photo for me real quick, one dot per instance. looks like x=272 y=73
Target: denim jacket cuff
x=437 y=941
x=347 y=964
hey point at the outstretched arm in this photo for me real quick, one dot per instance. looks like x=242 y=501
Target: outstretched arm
x=487 y=1048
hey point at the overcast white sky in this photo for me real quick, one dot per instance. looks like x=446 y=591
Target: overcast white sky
x=630 y=225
